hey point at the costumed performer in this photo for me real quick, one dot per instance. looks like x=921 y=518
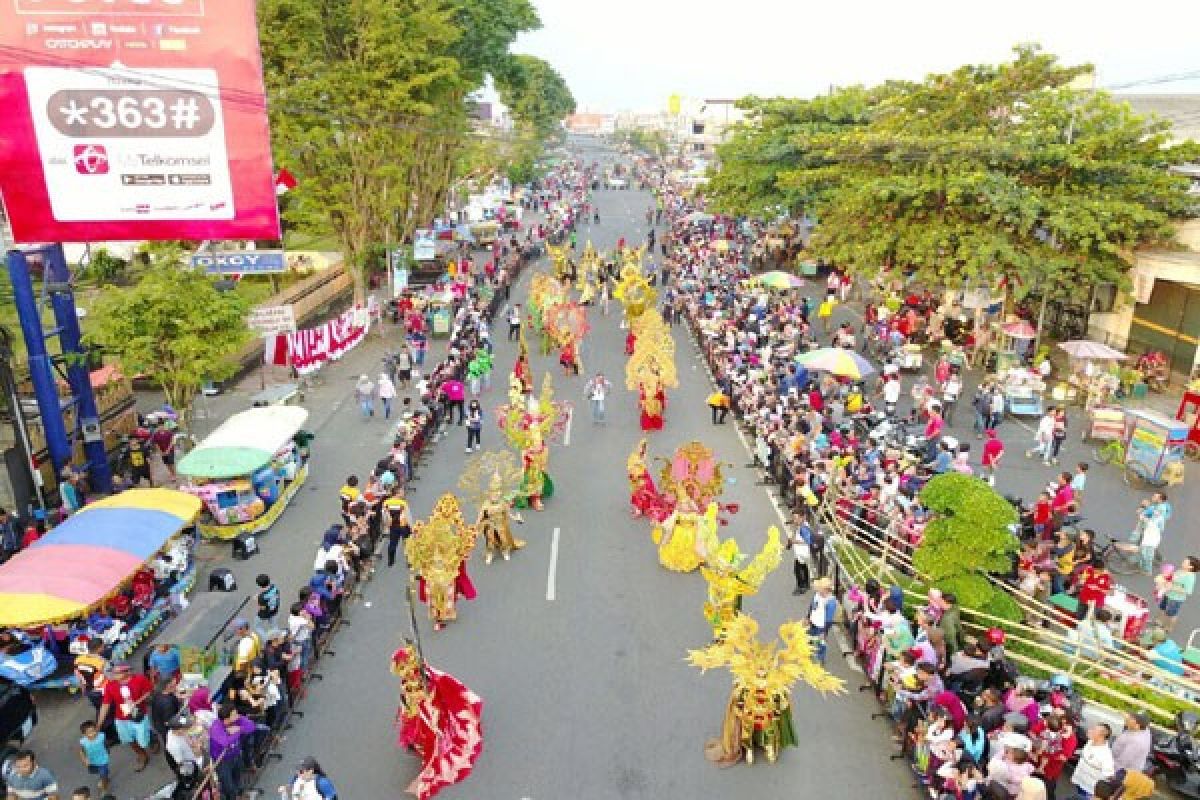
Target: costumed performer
x=729 y=581
x=644 y=498
x=495 y=511
x=439 y=719
x=686 y=537
x=652 y=401
x=437 y=552
x=759 y=712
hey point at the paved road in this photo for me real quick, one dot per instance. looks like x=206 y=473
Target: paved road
x=586 y=695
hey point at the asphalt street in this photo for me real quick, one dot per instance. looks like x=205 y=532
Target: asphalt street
x=580 y=658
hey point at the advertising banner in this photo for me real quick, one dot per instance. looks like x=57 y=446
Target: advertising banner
x=424 y=245
x=134 y=119
x=241 y=262
x=271 y=320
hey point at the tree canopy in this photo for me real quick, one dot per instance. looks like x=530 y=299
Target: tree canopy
x=967 y=538
x=174 y=327
x=984 y=176
x=368 y=106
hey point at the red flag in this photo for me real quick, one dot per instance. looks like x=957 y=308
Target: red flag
x=284 y=181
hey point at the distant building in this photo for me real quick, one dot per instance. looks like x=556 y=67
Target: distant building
x=702 y=124
x=590 y=122
x=1164 y=311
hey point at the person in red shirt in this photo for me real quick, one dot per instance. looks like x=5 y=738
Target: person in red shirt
x=993 y=451
x=1095 y=583
x=1042 y=511
x=31 y=535
x=126 y=699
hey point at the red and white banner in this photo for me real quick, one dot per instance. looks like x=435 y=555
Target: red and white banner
x=134 y=119
x=307 y=349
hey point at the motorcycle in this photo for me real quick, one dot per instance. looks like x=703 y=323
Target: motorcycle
x=1175 y=756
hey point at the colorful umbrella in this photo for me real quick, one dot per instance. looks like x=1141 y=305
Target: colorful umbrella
x=1019 y=330
x=68 y=571
x=778 y=280
x=836 y=360
x=1091 y=351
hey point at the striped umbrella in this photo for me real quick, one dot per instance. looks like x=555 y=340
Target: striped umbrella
x=837 y=361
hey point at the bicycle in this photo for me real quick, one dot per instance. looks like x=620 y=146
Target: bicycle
x=1124 y=558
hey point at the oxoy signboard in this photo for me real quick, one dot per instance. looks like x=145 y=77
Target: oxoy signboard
x=134 y=119
x=241 y=262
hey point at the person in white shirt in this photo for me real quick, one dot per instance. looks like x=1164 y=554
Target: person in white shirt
x=1095 y=761
x=1043 y=437
x=596 y=390
x=891 y=394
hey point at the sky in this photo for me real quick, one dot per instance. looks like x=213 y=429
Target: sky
x=633 y=54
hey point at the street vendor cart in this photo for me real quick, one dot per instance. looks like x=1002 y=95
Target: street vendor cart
x=1105 y=423
x=1154 y=446
x=248 y=470
x=1023 y=390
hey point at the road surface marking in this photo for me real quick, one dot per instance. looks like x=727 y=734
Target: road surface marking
x=567 y=433
x=551 y=573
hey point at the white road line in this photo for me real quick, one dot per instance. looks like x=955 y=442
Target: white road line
x=552 y=572
x=567 y=433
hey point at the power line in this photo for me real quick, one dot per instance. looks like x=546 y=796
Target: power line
x=1160 y=79
x=254 y=100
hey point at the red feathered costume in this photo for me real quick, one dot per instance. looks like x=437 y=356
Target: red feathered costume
x=440 y=720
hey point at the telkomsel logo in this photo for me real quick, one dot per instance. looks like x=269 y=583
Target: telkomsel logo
x=91 y=159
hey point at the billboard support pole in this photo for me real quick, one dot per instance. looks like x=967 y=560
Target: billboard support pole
x=57 y=286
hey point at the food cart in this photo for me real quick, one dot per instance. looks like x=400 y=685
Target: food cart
x=438 y=313
x=200 y=634
x=1023 y=390
x=92 y=578
x=248 y=470
x=1154 y=446
x=1105 y=423
x=485 y=233
x=1189 y=414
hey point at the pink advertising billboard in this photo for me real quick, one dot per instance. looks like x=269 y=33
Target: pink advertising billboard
x=134 y=119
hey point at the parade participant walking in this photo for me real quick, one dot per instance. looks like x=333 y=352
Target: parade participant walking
x=596 y=391
x=364 y=395
x=387 y=394
x=474 y=426
x=514 y=322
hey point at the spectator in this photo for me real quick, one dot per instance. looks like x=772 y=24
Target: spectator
x=231 y=745
x=93 y=751
x=1095 y=761
x=126 y=699
x=164 y=661
x=28 y=780
x=1131 y=748
x=387 y=394
x=309 y=783
x=267 y=601
x=1183 y=583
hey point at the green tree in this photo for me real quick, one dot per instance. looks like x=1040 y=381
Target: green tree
x=967 y=538
x=535 y=94
x=776 y=139
x=368 y=107
x=984 y=176
x=174 y=327
x=356 y=93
